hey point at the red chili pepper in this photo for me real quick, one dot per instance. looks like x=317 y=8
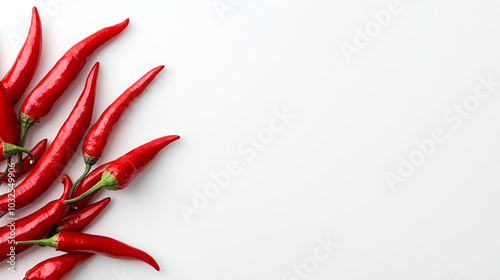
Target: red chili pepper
x=120 y=172
x=34 y=226
x=19 y=77
x=37 y=152
x=80 y=242
x=79 y=219
x=57 y=268
x=97 y=138
x=54 y=160
x=51 y=88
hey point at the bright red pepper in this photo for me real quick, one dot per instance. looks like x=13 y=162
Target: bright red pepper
x=54 y=160
x=80 y=242
x=33 y=226
x=57 y=268
x=51 y=88
x=19 y=77
x=37 y=152
x=97 y=138
x=79 y=219
x=120 y=172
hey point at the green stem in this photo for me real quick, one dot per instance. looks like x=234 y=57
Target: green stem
x=107 y=181
x=52 y=242
x=87 y=170
x=20 y=163
x=10 y=150
x=26 y=122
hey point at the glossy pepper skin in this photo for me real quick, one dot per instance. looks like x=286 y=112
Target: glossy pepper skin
x=80 y=242
x=57 y=268
x=98 y=136
x=79 y=219
x=36 y=225
x=54 y=160
x=119 y=173
x=37 y=152
x=19 y=77
x=51 y=88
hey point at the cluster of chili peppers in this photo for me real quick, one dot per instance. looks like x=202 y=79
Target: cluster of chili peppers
x=59 y=223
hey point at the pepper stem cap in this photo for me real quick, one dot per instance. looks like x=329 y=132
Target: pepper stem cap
x=52 y=242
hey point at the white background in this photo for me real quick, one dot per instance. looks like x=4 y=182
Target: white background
x=323 y=175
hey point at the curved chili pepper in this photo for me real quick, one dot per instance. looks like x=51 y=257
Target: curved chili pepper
x=54 y=160
x=37 y=152
x=120 y=172
x=33 y=226
x=57 y=268
x=97 y=138
x=19 y=77
x=80 y=242
x=51 y=88
x=79 y=219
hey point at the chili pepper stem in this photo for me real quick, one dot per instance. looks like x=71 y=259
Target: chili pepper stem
x=26 y=122
x=107 y=181
x=6 y=172
x=9 y=150
x=52 y=242
x=87 y=170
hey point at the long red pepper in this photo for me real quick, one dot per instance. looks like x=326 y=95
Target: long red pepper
x=79 y=219
x=98 y=136
x=57 y=268
x=37 y=152
x=9 y=134
x=120 y=172
x=80 y=242
x=51 y=88
x=33 y=226
x=54 y=160
x=17 y=80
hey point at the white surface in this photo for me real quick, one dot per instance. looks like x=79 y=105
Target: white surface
x=323 y=175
